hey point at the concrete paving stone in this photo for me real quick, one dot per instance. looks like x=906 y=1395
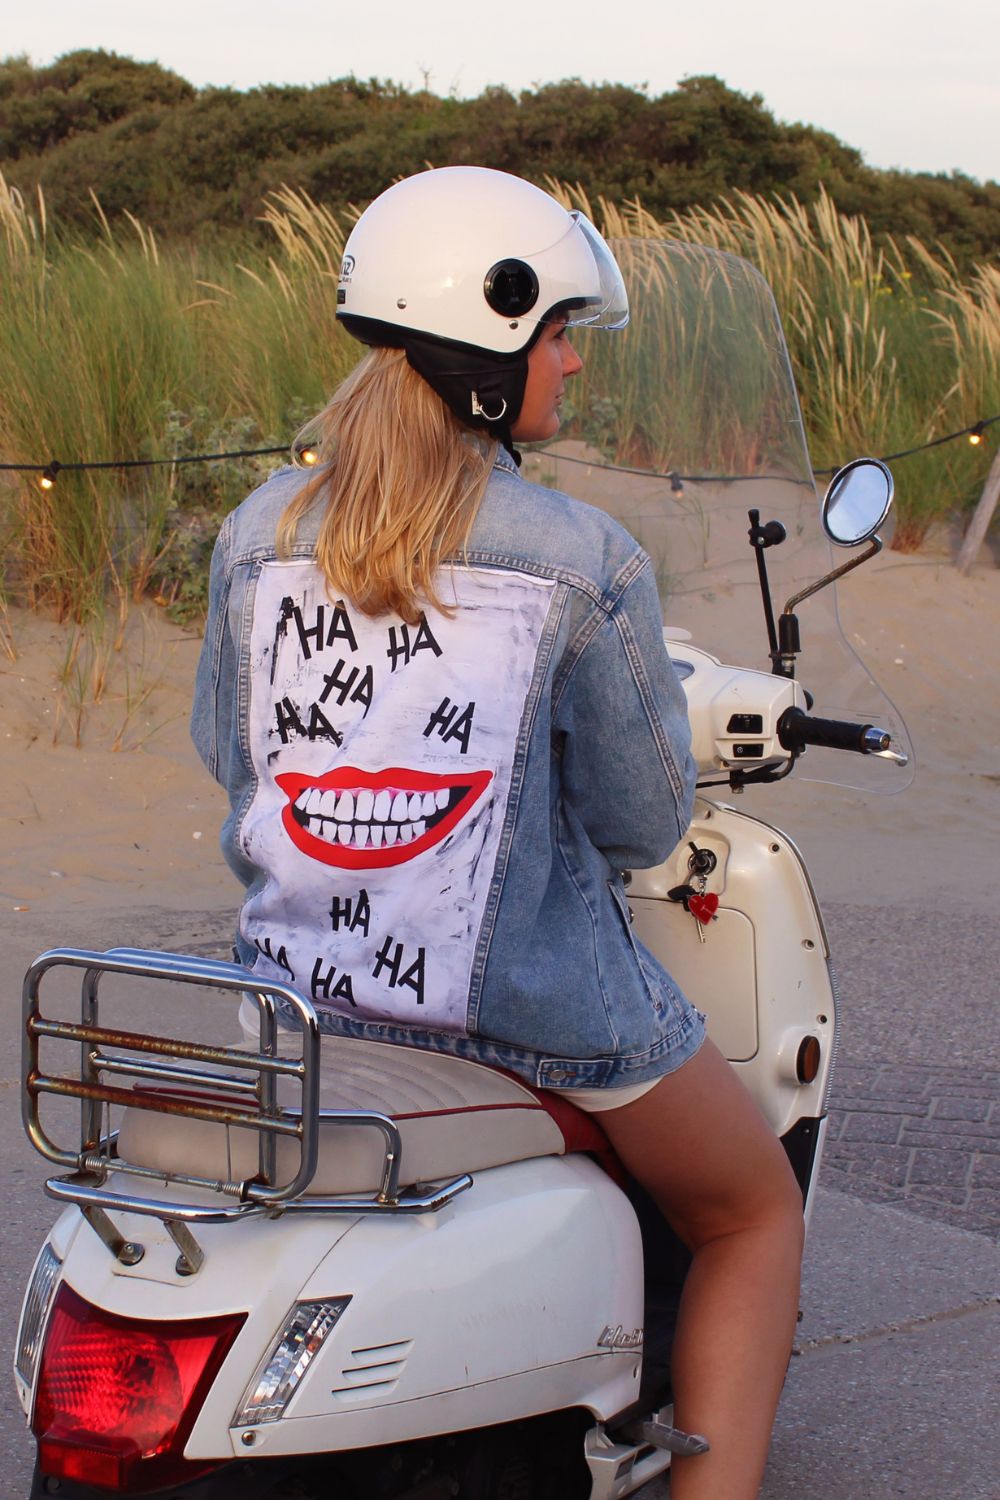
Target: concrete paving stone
x=911 y=1269
x=961 y=1109
x=912 y=1085
x=916 y=1108
x=989 y=1203
x=961 y=1084
x=883 y=1128
x=986 y=1168
x=850 y=1080
x=890 y=1165
x=924 y=1192
x=945 y=1167
x=867 y=1189
x=864 y=1422
x=982 y=1130
x=971 y=1220
x=909 y=980
x=957 y=1145
x=865 y=1150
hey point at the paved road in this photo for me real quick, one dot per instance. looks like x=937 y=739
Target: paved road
x=893 y=1389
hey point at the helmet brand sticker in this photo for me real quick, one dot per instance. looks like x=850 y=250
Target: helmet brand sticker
x=347 y=268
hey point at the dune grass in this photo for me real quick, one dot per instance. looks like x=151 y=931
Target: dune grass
x=119 y=347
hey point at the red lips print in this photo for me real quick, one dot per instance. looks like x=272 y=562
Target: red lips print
x=369 y=820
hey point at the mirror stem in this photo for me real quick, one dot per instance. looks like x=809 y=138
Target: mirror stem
x=784 y=653
x=874 y=548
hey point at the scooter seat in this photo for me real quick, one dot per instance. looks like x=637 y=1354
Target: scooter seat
x=454 y=1116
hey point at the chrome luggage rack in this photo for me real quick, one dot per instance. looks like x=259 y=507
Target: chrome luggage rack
x=249 y=1078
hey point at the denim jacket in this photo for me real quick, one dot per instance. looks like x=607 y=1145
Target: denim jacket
x=431 y=820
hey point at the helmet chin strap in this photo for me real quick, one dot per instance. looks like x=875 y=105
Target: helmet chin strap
x=499 y=422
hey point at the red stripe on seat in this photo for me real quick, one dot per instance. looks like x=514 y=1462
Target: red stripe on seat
x=467 y=1109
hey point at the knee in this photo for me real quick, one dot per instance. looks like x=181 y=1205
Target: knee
x=766 y=1204
x=779 y=1199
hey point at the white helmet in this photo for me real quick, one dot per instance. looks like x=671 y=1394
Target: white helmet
x=461 y=267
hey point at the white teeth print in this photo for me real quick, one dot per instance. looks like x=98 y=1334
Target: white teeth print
x=366 y=819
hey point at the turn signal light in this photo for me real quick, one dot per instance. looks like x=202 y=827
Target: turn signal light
x=808 y=1059
x=117 y=1397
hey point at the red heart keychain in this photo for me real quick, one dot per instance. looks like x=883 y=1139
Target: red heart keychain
x=703 y=907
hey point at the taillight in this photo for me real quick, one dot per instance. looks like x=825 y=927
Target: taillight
x=117 y=1397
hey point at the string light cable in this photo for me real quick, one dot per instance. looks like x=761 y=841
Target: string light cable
x=48 y=473
x=974 y=434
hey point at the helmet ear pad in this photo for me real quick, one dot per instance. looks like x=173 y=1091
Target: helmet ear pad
x=484 y=389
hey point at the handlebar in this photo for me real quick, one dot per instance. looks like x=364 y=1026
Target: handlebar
x=797 y=729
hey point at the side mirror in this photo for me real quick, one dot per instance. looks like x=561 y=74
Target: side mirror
x=857 y=501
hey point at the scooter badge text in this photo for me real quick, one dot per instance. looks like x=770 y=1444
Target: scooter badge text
x=617 y=1338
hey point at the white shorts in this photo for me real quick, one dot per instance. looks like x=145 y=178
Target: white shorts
x=595 y=1101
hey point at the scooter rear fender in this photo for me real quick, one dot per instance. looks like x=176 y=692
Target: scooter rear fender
x=490 y=1310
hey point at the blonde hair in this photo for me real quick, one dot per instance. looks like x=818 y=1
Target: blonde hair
x=401 y=483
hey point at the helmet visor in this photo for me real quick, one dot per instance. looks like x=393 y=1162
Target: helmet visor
x=577 y=279
x=607 y=305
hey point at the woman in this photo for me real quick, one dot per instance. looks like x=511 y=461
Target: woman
x=439 y=700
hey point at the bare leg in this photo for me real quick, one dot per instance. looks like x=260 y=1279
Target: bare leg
x=699 y=1145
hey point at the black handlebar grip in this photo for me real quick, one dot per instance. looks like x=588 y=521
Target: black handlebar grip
x=796 y=730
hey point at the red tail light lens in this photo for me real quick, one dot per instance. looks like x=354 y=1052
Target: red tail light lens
x=117 y=1397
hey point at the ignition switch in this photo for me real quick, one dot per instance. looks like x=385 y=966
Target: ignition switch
x=702 y=861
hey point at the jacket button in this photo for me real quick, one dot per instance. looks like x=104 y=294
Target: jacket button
x=557 y=1073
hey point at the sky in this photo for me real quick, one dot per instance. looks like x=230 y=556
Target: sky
x=910 y=83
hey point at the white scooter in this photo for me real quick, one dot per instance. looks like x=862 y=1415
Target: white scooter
x=383 y=1272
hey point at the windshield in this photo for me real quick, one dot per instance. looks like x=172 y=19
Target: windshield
x=699 y=389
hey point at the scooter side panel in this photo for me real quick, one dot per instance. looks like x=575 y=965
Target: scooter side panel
x=490 y=1310
x=761 y=975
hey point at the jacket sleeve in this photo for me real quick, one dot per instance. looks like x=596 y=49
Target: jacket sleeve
x=622 y=729
x=214 y=704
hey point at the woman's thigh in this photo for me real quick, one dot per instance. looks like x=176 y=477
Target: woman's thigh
x=701 y=1147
